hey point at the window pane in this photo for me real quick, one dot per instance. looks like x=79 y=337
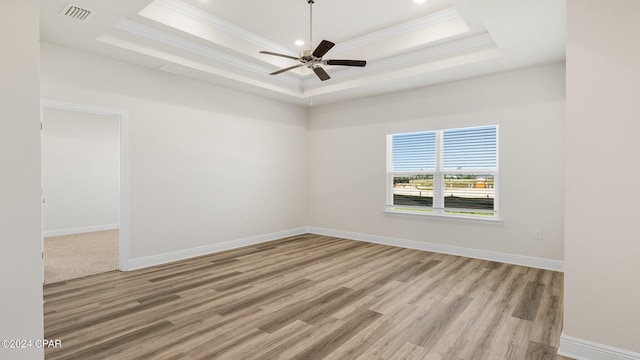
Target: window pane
x=413 y=190
x=414 y=152
x=470 y=148
x=470 y=192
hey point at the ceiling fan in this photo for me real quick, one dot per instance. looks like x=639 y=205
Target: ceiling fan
x=313 y=58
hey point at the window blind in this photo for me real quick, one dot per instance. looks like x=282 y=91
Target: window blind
x=470 y=148
x=414 y=151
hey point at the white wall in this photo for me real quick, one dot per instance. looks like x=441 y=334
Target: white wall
x=207 y=164
x=347 y=159
x=80 y=171
x=602 y=240
x=20 y=220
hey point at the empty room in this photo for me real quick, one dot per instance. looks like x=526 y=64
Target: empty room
x=317 y=179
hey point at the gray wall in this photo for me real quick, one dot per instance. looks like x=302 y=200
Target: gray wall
x=20 y=219
x=207 y=164
x=347 y=160
x=603 y=143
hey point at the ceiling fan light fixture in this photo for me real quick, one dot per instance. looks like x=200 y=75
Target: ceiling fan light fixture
x=311 y=58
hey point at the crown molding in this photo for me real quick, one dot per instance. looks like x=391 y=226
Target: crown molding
x=150 y=33
x=397 y=30
x=223 y=25
x=399 y=77
x=202 y=67
x=423 y=55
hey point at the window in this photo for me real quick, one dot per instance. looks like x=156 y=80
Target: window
x=452 y=172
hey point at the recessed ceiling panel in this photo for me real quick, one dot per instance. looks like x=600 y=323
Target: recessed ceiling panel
x=284 y=21
x=223 y=35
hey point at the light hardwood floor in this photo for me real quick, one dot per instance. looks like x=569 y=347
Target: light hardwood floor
x=310 y=297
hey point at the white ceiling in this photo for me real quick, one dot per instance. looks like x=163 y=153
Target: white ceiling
x=406 y=44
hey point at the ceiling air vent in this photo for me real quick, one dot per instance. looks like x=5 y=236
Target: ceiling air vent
x=77 y=13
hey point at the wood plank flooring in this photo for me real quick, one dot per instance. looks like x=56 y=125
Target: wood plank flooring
x=310 y=297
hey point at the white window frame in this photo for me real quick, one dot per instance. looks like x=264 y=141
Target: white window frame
x=439 y=173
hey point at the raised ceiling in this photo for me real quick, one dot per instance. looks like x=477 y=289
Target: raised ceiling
x=406 y=44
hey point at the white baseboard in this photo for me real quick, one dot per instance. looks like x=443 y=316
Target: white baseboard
x=80 y=230
x=588 y=350
x=540 y=263
x=159 y=259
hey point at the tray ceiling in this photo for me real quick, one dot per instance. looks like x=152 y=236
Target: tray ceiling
x=406 y=44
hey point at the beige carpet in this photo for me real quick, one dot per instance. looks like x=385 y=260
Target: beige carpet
x=75 y=256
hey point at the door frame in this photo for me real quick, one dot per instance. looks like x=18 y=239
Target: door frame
x=123 y=119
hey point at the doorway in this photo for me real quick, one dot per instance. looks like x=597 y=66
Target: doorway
x=85 y=197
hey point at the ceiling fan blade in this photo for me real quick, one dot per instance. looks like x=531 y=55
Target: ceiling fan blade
x=286 y=69
x=323 y=48
x=360 y=63
x=321 y=73
x=281 y=55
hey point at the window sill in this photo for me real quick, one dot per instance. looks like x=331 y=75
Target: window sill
x=454 y=218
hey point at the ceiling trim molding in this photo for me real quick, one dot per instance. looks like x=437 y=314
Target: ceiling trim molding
x=198 y=66
x=453 y=47
x=425 y=55
x=397 y=30
x=386 y=33
x=399 y=74
x=147 y=32
x=223 y=25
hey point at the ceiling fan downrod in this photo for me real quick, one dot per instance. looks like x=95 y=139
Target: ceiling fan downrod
x=310 y=2
x=311 y=58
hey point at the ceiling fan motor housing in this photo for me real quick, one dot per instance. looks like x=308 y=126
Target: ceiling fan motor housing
x=307 y=55
x=310 y=61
